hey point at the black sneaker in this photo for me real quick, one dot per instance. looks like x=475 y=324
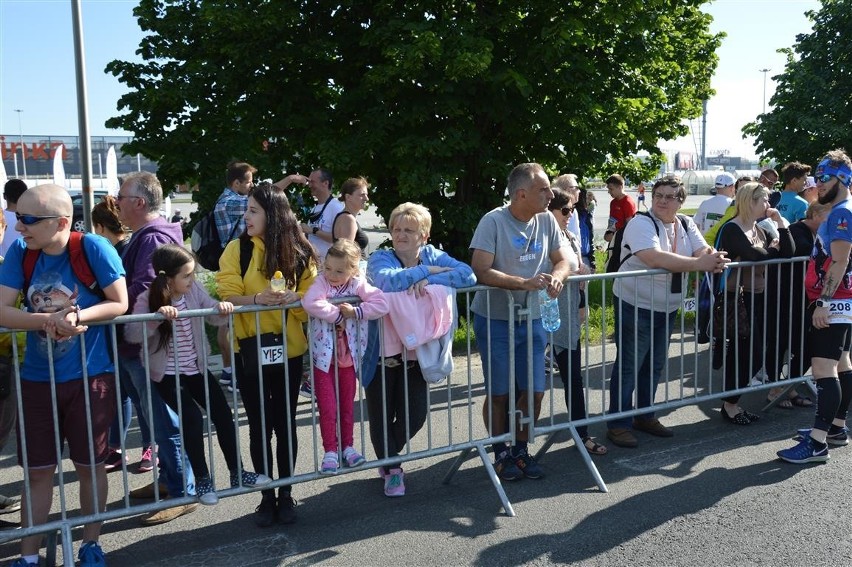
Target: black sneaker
x=264 y=515
x=286 y=509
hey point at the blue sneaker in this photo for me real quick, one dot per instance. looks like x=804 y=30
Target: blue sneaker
x=91 y=555
x=528 y=466
x=506 y=468
x=21 y=562
x=226 y=378
x=803 y=453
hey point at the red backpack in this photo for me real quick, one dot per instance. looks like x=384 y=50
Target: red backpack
x=79 y=264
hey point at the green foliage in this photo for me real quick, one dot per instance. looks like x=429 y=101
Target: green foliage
x=432 y=101
x=811 y=111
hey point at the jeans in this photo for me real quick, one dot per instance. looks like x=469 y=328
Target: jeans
x=173 y=462
x=642 y=338
x=495 y=354
x=117 y=434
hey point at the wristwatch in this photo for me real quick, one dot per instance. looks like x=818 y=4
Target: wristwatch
x=821 y=303
x=315 y=230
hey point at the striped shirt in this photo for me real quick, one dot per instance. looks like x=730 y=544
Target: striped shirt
x=185 y=345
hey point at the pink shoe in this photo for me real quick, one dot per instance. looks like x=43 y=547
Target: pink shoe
x=146 y=464
x=395 y=483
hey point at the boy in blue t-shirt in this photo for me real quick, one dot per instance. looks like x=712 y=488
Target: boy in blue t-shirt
x=58 y=306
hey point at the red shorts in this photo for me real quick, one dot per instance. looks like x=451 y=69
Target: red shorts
x=71 y=410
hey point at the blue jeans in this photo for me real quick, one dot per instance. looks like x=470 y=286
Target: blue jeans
x=642 y=338
x=173 y=462
x=495 y=356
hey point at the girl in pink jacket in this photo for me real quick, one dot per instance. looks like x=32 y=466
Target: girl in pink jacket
x=338 y=337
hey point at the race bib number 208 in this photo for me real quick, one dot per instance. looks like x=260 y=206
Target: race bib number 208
x=840 y=312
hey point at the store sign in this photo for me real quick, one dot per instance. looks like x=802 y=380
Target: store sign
x=36 y=151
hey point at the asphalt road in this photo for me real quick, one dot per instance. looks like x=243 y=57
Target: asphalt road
x=713 y=495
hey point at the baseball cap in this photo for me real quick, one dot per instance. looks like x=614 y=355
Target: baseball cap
x=809 y=182
x=724 y=179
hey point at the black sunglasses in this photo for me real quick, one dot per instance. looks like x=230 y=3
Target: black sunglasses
x=567 y=211
x=33 y=219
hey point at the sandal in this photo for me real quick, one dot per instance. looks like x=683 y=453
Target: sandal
x=801 y=401
x=594 y=448
x=783 y=404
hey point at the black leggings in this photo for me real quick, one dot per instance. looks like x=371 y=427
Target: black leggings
x=388 y=395
x=745 y=354
x=280 y=396
x=192 y=400
x=575 y=393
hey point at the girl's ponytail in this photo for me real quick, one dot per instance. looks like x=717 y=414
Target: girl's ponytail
x=167 y=262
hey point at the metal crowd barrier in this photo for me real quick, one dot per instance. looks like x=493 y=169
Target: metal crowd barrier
x=453 y=423
x=688 y=377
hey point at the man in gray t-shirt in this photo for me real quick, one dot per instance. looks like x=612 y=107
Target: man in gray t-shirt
x=519 y=249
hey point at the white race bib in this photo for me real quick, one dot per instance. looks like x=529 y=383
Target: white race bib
x=840 y=312
x=272 y=354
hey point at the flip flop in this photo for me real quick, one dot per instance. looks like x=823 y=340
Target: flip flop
x=594 y=448
x=801 y=401
x=783 y=404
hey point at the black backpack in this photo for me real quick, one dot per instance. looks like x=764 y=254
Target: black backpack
x=615 y=260
x=206 y=244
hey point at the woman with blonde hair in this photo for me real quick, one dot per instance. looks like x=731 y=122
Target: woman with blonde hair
x=746 y=241
x=394 y=383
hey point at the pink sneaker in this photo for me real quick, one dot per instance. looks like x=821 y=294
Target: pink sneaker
x=146 y=464
x=395 y=483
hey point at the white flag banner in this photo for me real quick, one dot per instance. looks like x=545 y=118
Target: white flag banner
x=3 y=180
x=59 y=166
x=112 y=172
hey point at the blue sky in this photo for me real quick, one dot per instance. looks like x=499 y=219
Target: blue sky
x=37 y=64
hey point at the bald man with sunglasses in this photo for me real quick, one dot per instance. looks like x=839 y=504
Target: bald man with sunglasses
x=59 y=306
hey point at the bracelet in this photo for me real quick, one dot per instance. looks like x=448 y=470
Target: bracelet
x=255 y=298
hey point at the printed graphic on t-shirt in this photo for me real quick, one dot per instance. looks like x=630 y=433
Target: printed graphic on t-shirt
x=528 y=248
x=47 y=294
x=836 y=227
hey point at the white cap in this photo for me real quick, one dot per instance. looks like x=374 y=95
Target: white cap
x=724 y=179
x=810 y=182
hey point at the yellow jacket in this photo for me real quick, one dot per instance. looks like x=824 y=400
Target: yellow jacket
x=230 y=282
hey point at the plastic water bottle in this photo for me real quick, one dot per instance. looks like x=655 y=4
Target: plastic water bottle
x=278 y=283
x=549 y=307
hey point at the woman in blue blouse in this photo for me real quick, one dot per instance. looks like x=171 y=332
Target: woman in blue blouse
x=410 y=265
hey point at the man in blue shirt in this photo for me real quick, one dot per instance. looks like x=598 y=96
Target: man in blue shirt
x=59 y=306
x=791 y=206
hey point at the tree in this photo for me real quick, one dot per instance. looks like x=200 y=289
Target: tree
x=812 y=105
x=433 y=101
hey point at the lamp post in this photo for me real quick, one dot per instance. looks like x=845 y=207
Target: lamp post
x=764 y=71
x=21 y=134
